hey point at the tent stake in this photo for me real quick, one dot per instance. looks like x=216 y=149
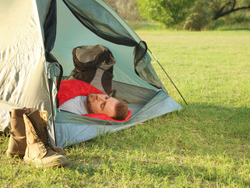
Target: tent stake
x=168 y=77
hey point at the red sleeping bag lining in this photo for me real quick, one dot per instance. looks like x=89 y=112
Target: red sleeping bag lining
x=73 y=88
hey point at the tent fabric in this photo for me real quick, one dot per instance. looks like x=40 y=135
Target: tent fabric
x=37 y=34
x=23 y=76
x=110 y=26
x=50 y=27
x=102 y=23
x=69 y=30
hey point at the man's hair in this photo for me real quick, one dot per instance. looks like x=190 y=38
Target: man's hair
x=121 y=111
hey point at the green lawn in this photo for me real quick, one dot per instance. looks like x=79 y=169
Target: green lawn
x=204 y=145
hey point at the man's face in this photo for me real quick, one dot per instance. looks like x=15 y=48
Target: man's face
x=98 y=103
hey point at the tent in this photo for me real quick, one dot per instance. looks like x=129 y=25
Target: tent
x=36 y=42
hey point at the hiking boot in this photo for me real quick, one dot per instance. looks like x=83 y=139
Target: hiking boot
x=39 y=151
x=17 y=141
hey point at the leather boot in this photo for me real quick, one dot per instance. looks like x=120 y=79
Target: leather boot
x=44 y=116
x=39 y=150
x=17 y=141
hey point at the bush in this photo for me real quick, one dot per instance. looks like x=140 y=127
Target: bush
x=167 y=12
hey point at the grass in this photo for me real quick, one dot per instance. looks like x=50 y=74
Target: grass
x=204 y=145
x=145 y=25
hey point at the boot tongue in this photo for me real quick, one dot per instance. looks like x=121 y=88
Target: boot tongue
x=44 y=115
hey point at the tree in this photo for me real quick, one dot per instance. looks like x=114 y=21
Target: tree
x=205 y=13
x=167 y=12
x=229 y=7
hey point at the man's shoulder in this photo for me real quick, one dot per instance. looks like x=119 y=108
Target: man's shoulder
x=80 y=97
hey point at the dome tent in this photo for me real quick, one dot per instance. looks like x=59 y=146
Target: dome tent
x=44 y=33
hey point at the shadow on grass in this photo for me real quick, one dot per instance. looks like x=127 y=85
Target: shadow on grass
x=233 y=119
x=196 y=132
x=170 y=171
x=191 y=173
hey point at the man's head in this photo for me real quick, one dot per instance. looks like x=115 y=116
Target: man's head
x=100 y=103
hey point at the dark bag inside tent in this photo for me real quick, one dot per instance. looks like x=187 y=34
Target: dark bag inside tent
x=94 y=65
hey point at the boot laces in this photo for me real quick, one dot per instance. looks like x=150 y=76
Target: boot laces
x=43 y=137
x=47 y=138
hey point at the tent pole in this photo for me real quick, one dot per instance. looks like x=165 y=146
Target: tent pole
x=168 y=77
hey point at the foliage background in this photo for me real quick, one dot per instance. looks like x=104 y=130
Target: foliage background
x=198 y=13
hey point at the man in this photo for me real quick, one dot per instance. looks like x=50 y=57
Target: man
x=96 y=103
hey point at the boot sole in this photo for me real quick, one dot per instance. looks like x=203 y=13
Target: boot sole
x=38 y=162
